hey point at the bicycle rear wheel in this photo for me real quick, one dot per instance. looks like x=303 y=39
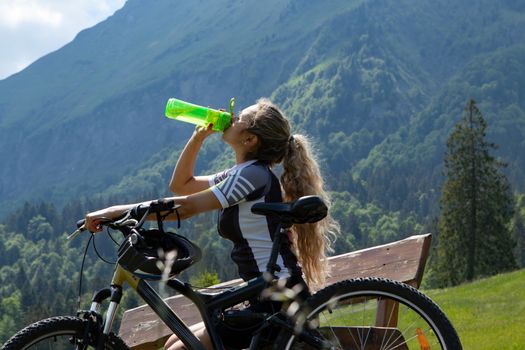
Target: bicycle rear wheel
x=62 y=332
x=372 y=313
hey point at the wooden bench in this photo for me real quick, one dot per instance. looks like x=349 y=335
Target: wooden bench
x=402 y=261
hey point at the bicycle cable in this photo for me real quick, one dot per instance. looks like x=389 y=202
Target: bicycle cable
x=111 y=236
x=91 y=238
x=82 y=271
x=100 y=256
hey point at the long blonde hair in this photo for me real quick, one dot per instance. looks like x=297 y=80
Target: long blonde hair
x=301 y=177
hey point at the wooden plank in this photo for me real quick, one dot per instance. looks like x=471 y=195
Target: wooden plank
x=402 y=261
x=141 y=328
x=387 y=313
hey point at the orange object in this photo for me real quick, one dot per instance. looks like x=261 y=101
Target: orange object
x=423 y=342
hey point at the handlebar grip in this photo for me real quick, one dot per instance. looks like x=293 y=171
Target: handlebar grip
x=138 y=211
x=81 y=223
x=158 y=205
x=163 y=204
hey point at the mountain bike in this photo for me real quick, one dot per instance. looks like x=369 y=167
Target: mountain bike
x=340 y=316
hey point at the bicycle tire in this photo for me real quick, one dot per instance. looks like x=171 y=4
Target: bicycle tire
x=332 y=314
x=58 y=332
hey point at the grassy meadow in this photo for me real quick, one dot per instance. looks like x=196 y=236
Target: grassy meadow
x=488 y=313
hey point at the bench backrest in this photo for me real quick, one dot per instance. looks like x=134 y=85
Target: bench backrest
x=401 y=261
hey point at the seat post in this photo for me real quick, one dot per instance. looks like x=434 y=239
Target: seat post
x=281 y=229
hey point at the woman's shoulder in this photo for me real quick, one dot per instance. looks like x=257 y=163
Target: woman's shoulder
x=254 y=168
x=251 y=174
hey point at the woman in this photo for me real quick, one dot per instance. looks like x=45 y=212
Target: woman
x=260 y=137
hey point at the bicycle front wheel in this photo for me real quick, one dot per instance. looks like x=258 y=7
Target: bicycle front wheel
x=62 y=332
x=371 y=313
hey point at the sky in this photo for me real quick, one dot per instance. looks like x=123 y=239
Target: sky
x=30 y=29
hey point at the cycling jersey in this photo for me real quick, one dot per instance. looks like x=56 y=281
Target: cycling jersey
x=238 y=189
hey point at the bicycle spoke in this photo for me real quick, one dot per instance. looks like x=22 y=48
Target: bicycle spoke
x=338 y=318
x=405 y=331
x=331 y=329
x=349 y=331
x=389 y=320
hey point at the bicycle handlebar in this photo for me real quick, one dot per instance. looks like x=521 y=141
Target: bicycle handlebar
x=132 y=218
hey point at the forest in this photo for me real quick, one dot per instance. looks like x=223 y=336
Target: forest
x=40 y=270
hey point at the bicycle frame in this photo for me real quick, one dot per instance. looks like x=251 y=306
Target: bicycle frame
x=207 y=304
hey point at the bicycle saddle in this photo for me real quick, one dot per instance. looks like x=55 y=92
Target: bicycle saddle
x=308 y=209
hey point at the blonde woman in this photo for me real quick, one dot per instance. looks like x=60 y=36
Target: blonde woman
x=260 y=137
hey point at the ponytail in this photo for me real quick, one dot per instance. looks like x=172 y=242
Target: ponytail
x=301 y=177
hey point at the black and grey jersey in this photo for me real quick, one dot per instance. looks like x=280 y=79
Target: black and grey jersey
x=238 y=189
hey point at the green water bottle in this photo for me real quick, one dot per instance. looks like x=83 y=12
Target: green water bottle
x=198 y=115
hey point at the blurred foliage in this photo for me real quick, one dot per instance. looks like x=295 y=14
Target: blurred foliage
x=205 y=279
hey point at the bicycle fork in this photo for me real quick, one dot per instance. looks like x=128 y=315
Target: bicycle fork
x=94 y=317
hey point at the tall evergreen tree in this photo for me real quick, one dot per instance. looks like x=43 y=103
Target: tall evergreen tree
x=476 y=206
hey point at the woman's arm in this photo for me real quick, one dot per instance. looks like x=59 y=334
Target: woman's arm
x=183 y=181
x=194 y=204
x=189 y=206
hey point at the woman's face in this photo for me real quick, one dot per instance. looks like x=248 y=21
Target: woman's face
x=236 y=134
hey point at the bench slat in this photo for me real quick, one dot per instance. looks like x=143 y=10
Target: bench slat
x=403 y=261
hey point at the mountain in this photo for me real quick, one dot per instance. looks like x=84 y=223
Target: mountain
x=378 y=85
x=416 y=150
x=82 y=117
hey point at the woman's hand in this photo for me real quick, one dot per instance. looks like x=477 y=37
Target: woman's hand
x=94 y=220
x=201 y=132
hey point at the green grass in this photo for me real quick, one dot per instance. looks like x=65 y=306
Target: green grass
x=489 y=313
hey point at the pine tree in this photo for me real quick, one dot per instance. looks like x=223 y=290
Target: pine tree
x=476 y=207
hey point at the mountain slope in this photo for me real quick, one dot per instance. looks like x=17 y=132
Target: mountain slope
x=377 y=84
x=496 y=81
x=85 y=115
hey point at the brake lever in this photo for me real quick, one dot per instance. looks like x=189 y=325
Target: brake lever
x=76 y=233
x=126 y=222
x=82 y=227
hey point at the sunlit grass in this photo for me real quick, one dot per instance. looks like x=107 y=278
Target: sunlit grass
x=489 y=313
